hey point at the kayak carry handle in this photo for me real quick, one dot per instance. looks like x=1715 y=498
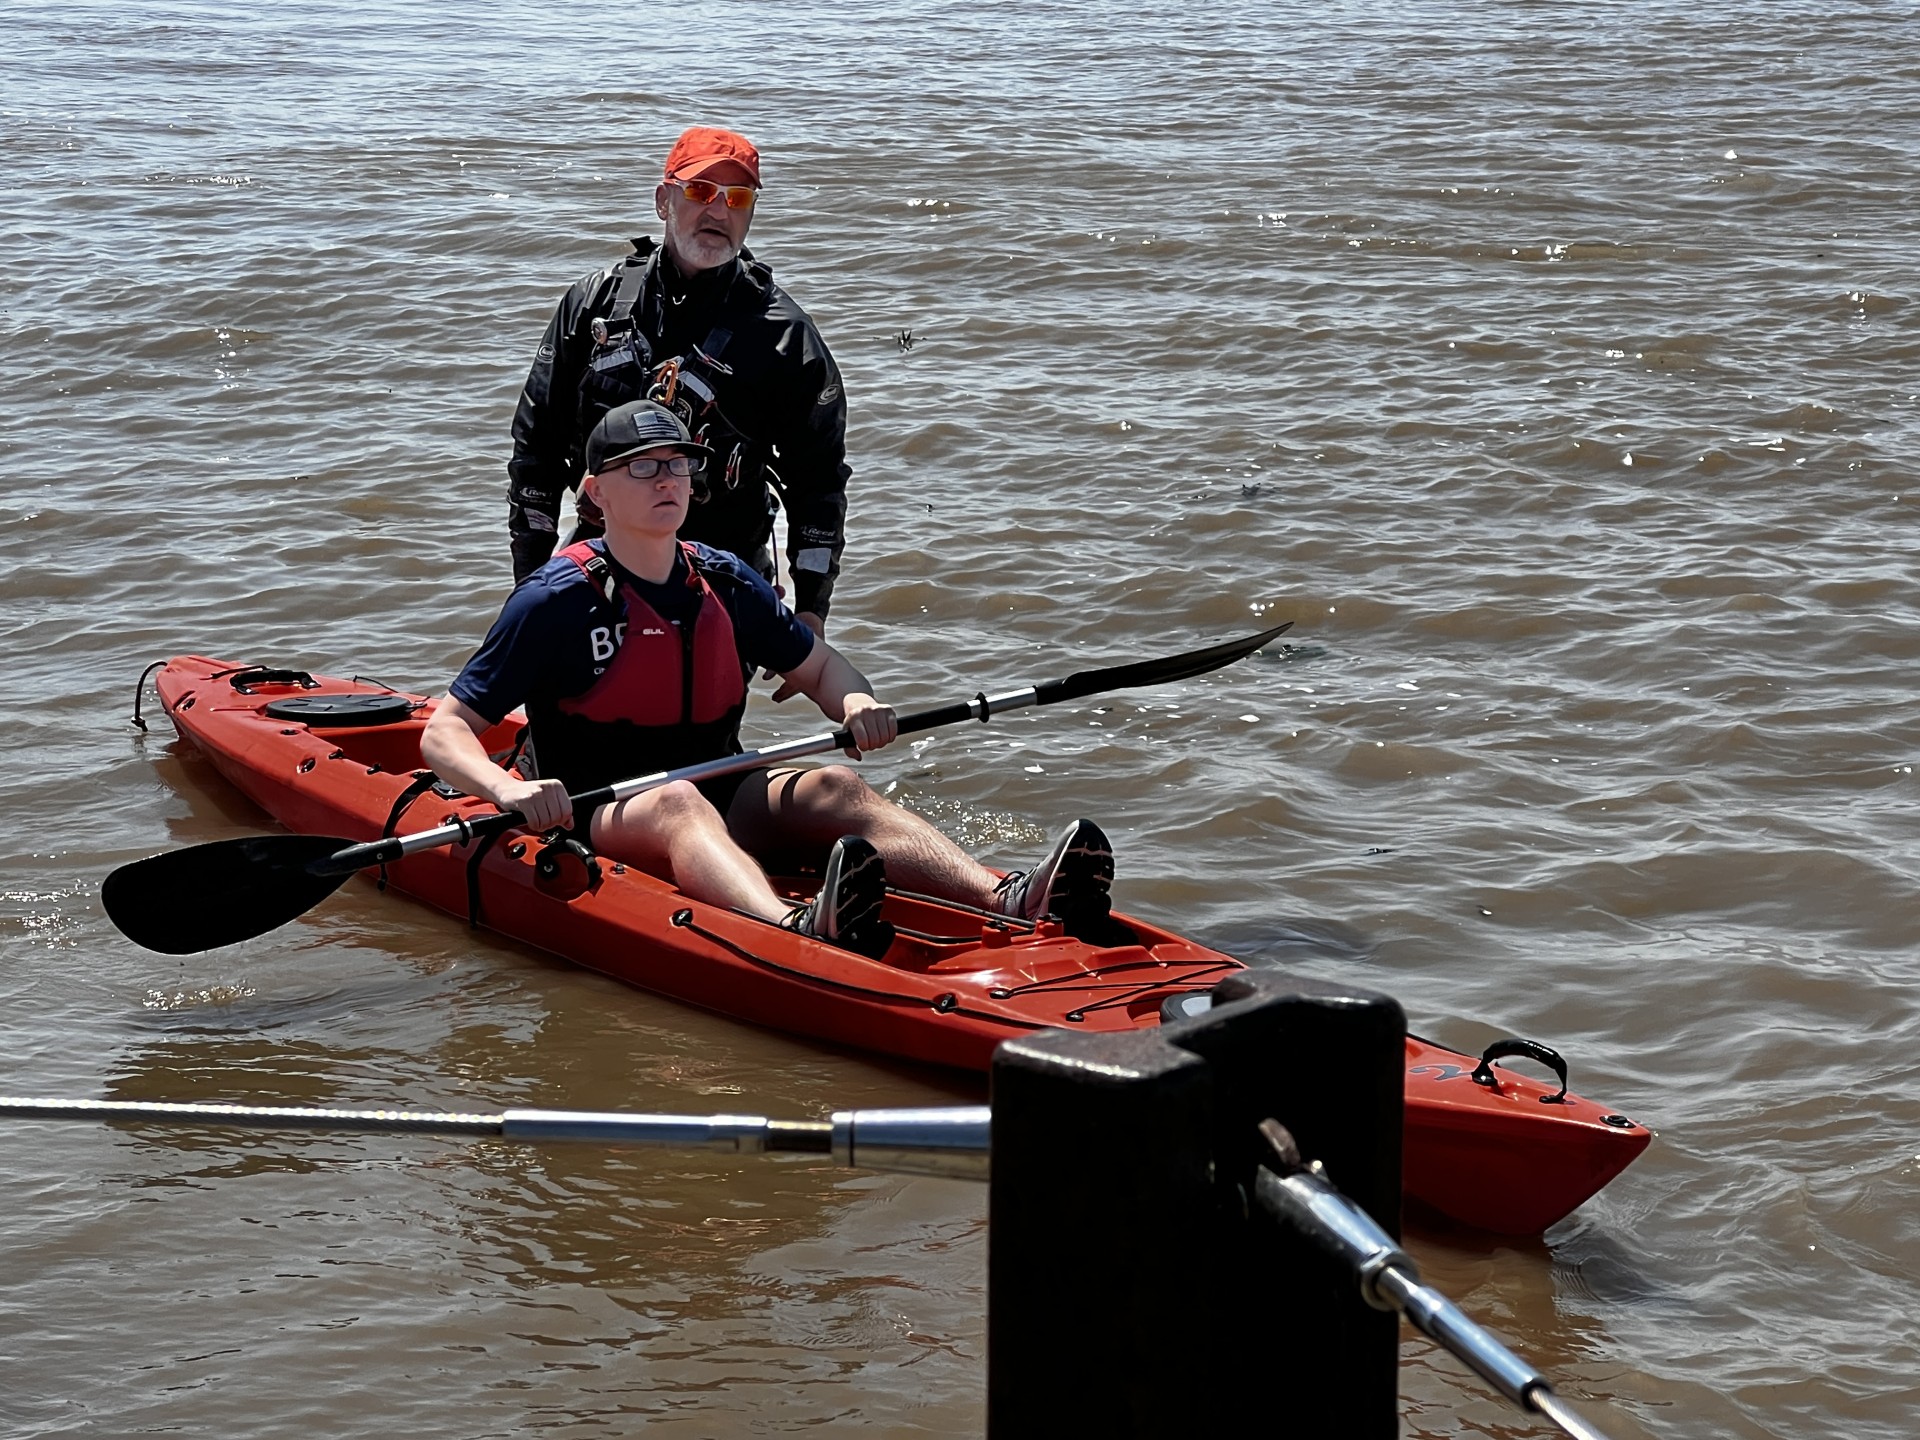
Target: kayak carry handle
x=244 y=679
x=1529 y=1049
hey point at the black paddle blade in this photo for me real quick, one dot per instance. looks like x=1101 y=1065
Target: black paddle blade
x=201 y=898
x=1155 y=672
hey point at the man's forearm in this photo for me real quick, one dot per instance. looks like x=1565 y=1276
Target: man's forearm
x=451 y=749
x=816 y=533
x=533 y=527
x=545 y=459
x=838 y=678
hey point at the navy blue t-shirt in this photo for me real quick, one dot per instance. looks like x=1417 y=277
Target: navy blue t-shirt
x=555 y=635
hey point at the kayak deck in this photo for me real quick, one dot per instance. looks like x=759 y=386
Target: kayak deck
x=956 y=982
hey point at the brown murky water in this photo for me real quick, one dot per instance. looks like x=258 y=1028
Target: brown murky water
x=1555 y=371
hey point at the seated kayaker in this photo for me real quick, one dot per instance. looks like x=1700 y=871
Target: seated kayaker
x=632 y=654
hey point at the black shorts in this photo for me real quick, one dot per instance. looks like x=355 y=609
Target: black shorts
x=719 y=792
x=721 y=789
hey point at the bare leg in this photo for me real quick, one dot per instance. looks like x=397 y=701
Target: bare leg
x=810 y=809
x=676 y=831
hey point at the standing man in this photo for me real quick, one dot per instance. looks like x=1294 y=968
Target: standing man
x=696 y=324
x=631 y=654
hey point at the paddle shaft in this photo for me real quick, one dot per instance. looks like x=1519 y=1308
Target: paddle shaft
x=982 y=707
x=385 y=852
x=948 y=1140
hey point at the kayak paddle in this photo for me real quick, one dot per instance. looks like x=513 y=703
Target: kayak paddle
x=260 y=882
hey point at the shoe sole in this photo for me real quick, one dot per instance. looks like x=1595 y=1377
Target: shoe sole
x=1090 y=881
x=850 y=862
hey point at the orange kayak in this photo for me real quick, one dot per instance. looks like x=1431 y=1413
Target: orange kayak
x=333 y=757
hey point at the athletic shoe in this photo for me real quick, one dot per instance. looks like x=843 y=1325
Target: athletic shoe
x=846 y=911
x=1072 y=883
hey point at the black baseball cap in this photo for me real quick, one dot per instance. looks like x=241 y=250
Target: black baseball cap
x=627 y=430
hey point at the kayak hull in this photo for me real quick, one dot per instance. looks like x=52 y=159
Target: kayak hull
x=952 y=988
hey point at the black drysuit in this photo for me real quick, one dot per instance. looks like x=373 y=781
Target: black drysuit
x=777 y=416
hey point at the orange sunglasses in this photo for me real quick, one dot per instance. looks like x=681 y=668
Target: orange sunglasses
x=702 y=192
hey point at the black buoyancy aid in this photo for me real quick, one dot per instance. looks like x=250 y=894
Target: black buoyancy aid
x=667 y=696
x=622 y=366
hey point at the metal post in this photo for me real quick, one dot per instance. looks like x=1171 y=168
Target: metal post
x=1133 y=1289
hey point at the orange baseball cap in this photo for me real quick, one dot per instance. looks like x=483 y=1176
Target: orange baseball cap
x=704 y=148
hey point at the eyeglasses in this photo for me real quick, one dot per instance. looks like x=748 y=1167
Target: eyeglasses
x=680 y=466
x=702 y=192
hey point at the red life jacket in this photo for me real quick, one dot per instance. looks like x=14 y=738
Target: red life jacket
x=667 y=696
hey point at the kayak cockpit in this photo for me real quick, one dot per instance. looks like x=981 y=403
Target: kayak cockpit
x=391 y=744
